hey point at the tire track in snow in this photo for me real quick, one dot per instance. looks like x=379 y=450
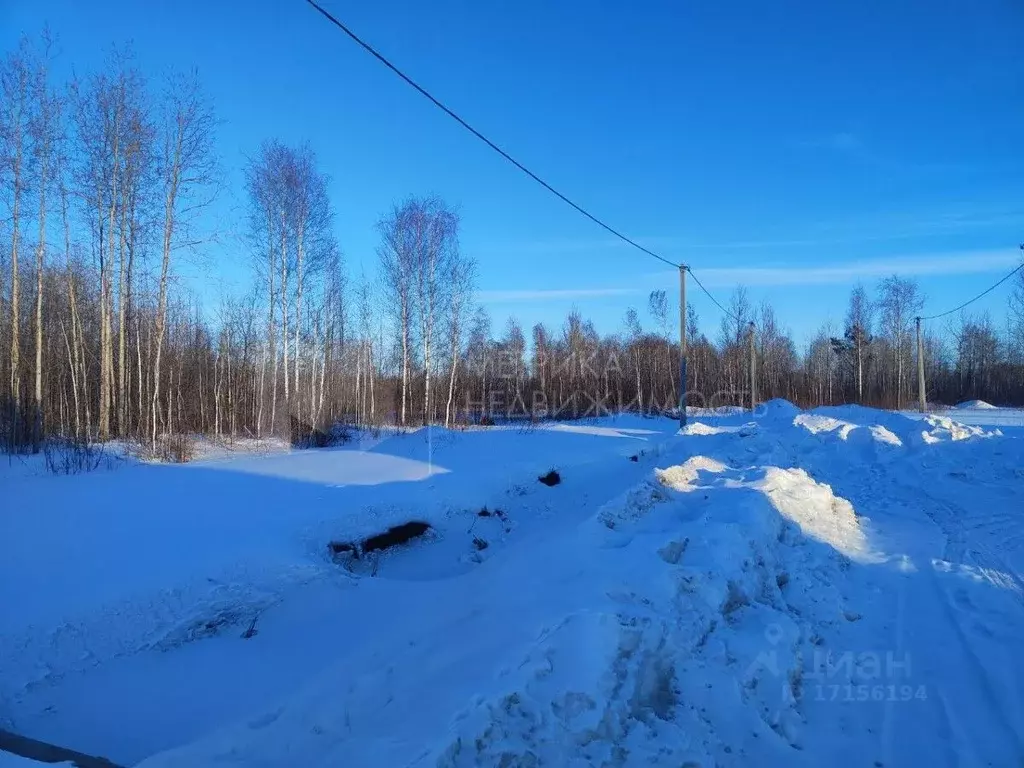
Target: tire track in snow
x=964 y=545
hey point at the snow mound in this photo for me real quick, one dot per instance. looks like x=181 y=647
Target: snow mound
x=638 y=501
x=682 y=476
x=883 y=435
x=817 y=510
x=820 y=424
x=700 y=428
x=944 y=429
x=778 y=408
x=976 y=405
x=699 y=664
x=815 y=423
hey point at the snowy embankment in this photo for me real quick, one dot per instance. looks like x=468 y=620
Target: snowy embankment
x=835 y=587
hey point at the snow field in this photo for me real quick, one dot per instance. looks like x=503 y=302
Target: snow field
x=841 y=586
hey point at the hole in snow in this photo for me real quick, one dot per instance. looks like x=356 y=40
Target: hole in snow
x=551 y=479
x=392 y=537
x=343 y=547
x=396 y=535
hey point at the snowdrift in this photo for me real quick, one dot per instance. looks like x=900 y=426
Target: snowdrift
x=976 y=404
x=677 y=639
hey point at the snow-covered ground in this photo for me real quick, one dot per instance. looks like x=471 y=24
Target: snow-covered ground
x=8 y=760
x=841 y=586
x=978 y=413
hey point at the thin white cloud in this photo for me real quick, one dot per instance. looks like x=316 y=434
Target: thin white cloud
x=552 y=294
x=849 y=273
x=863 y=229
x=960 y=263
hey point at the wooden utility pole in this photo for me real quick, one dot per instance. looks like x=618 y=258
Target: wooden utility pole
x=920 y=369
x=682 y=345
x=753 y=371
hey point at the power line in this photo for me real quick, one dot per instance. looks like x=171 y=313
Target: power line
x=380 y=57
x=713 y=299
x=987 y=291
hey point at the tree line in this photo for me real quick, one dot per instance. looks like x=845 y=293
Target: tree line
x=106 y=180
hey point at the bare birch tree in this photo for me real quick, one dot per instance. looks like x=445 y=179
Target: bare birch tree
x=15 y=115
x=398 y=253
x=461 y=282
x=898 y=302
x=437 y=246
x=186 y=171
x=43 y=128
x=859 y=318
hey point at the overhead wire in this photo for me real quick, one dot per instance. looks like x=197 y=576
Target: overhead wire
x=452 y=114
x=714 y=301
x=987 y=291
x=580 y=209
x=967 y=303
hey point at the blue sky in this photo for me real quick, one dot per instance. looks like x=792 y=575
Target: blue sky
x=790 y=146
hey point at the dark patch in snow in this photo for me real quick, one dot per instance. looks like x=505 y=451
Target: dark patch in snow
x=498 y=513
x=204 y=628
x=551 y=479
x=395 y=536
x=673 y=551
x=32 y=749
x=479 y=543
x=634 y=457
x=735 y=599
x=392 y=537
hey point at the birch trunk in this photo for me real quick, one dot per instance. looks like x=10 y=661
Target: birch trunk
x=37 y=400
x=170 y=199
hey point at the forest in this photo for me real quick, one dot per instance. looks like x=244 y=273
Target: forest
x=106 y=179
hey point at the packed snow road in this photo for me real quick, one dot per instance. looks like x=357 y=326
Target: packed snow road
x=839 y=586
